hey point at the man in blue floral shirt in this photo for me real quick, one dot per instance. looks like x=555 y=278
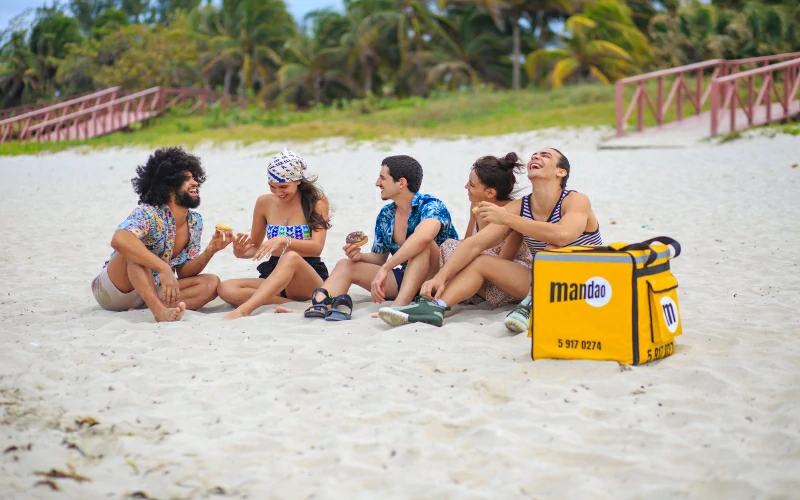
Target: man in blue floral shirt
x=405 y=252
x=159 y=238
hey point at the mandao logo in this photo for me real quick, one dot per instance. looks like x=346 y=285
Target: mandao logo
x=596 y=291
x=670 y=310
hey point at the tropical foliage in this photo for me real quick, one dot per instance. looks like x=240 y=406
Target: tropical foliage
x=254 y=49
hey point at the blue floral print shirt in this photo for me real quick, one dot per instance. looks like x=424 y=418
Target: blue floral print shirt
x=155 y=227
x=423 y=206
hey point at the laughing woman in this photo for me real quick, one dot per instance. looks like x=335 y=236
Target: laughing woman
x=294 y=219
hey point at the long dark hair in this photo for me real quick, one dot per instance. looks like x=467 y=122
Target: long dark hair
x=310 y=194
x=498 y=173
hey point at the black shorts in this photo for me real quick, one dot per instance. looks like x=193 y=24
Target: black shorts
x=266 y=268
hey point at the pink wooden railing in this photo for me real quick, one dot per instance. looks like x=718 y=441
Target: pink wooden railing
x=680 y=93
x=725 y=95
x=106 y=112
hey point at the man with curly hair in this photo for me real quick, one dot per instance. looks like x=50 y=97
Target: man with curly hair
x=159 y=238
x=405 y=253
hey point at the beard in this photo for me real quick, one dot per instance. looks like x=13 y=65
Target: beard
x=185 y=200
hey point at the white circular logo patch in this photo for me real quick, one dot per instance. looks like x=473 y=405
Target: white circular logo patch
x=670 y=311
x=598 y=292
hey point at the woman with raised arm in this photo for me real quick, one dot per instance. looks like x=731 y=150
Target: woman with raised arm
x=491 y=180
x=289 y=226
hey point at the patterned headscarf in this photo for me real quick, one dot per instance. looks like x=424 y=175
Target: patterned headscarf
x=286 y=166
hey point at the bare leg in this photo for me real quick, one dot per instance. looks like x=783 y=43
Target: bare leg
x=419 y=268
x=293 y=274
x=237 y=292
x=512 y=278
x=142 y=281
x=199 y=290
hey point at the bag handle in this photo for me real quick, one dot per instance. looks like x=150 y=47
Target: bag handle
x=642 y=245
x=645 y=245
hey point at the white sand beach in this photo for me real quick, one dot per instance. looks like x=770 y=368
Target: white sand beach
x=275 y=406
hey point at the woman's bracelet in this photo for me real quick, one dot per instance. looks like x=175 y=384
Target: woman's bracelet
x=288 y=242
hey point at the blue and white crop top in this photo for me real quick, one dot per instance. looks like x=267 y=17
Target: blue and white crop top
x=301 y=232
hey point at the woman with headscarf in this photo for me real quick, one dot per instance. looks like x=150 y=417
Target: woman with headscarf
x=289 y=227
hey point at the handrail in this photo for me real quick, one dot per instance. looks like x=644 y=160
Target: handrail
x=758 y=71
x=697 y=97
x=725 y=95
x=99 y=107
x=672 y=71
x=66 y=104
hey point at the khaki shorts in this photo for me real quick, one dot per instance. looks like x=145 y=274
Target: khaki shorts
x=111 y=299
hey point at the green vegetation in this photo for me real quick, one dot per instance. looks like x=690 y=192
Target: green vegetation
x=399 y=68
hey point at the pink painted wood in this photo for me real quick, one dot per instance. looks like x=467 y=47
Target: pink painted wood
x=99 y=113
x=704 y=73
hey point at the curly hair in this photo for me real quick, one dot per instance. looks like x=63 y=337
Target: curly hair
x=404 y=166
x=164 y=173
x=310 y=194
x=498 y=173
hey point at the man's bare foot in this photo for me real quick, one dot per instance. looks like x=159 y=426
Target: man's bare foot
x=235 y=315
x=170 y=313
x=284 y=310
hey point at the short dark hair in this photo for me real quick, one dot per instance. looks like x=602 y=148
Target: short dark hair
x=498 y=173
x=563 y=163
x=164 y=173
x=404 y=166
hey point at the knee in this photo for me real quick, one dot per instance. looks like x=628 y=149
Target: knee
x=210 y=284
x=290 y=258
x=343 y=266
x=224 y=289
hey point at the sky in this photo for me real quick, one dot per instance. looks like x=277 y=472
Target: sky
x=298 y=8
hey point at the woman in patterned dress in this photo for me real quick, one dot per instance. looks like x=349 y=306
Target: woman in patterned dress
x=491 y=180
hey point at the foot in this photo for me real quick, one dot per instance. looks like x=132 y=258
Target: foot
x=238 y=313
x=518 y=319
x=170 y=313
x=285 y=310
x=423 y=311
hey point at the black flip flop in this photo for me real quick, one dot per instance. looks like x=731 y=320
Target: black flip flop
x=341 y=309
x=318 y=308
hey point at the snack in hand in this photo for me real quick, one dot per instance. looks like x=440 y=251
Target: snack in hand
x=224 y=228
x=475 y=210
x=356 y=238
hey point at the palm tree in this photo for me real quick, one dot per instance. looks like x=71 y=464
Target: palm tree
x=17 y=70
x=244 y=35
x=595 y=46
x=308 y=72
x=474 y=52
x=538 y=13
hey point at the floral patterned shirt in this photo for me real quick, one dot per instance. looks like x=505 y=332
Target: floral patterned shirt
x=423 y=206
x=155 y=227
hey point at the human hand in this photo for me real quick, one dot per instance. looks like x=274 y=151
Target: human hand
x=241 y=244
x=378 y=286
x=491 y=213
x=353 y=252
x=219 y=241
x=269 y=247
x=433 y=288
x=170 y=290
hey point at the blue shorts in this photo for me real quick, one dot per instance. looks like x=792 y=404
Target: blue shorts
x=398 y=276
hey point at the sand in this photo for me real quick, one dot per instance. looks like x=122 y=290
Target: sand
x=273 y=406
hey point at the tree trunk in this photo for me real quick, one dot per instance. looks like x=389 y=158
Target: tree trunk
x=228 y=80
x=368 y=79
x=317 y=91
x=516 y=54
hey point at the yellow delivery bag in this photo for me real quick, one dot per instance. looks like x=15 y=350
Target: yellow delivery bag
x=617 y=302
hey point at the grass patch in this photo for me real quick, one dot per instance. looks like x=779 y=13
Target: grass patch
x=448 y=115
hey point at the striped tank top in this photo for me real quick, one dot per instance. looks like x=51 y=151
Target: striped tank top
x=535 y=245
